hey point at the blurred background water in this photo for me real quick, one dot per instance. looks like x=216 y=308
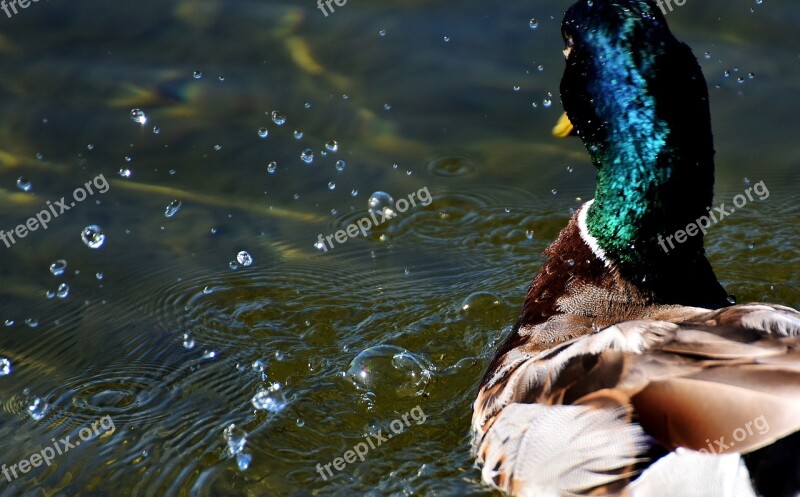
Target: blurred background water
x=165 y=332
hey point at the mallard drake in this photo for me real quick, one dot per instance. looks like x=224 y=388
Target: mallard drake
x=629 y=372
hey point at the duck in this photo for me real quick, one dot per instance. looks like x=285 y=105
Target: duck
x=630 y=370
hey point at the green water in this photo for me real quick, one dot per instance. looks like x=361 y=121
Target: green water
x=417 y=95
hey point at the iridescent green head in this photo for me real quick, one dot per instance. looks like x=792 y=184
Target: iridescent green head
x=637 y=98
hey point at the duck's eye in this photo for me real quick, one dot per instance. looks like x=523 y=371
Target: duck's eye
x=568 y=48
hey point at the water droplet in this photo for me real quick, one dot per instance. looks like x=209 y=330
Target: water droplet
x=382 y=32
x=263 y=132
x=307 y=156
x=24 y=184
x=124 y=172
x=233 y=265
x=354 y=192
x=99 y=276
x=332 y=146
x=479 y=302
x=244 y=258
x=173 y=208
x=446 y=39
x=188 y=341
x=299 y=422
x=58 y=267
x=93 y=236
x=554 y=191
x=243 y=461
x=387 y=107
x=707 y=55
x=138 y=116
x=386 y=370
x=221 y=78
x=9 y=323
x=37 y=409
x=63 y=291
x=236 y=439
x=381 y=202
x=209 y=354
x=279 y=356
x=340 y=165
x=270 y=399
x=197 y=75
x=278 y=118
x=217 y=147
x=516 y=87
x=547 y=102
x=307 y=105
x=259 y=365
x=156 y=130
x=5 y=366
x=32 y=322
x=534 y=23
x=298 y=134
x=272 y=167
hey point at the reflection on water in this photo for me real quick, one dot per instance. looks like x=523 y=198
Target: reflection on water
x=231 y=354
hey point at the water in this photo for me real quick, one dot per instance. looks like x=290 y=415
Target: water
x=174 y=347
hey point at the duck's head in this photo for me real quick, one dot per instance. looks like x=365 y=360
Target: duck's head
x=638 y=100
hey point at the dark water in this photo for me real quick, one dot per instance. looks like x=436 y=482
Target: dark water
x=157 y=341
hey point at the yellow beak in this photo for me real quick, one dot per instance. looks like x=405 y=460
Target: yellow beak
x=563 y=127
